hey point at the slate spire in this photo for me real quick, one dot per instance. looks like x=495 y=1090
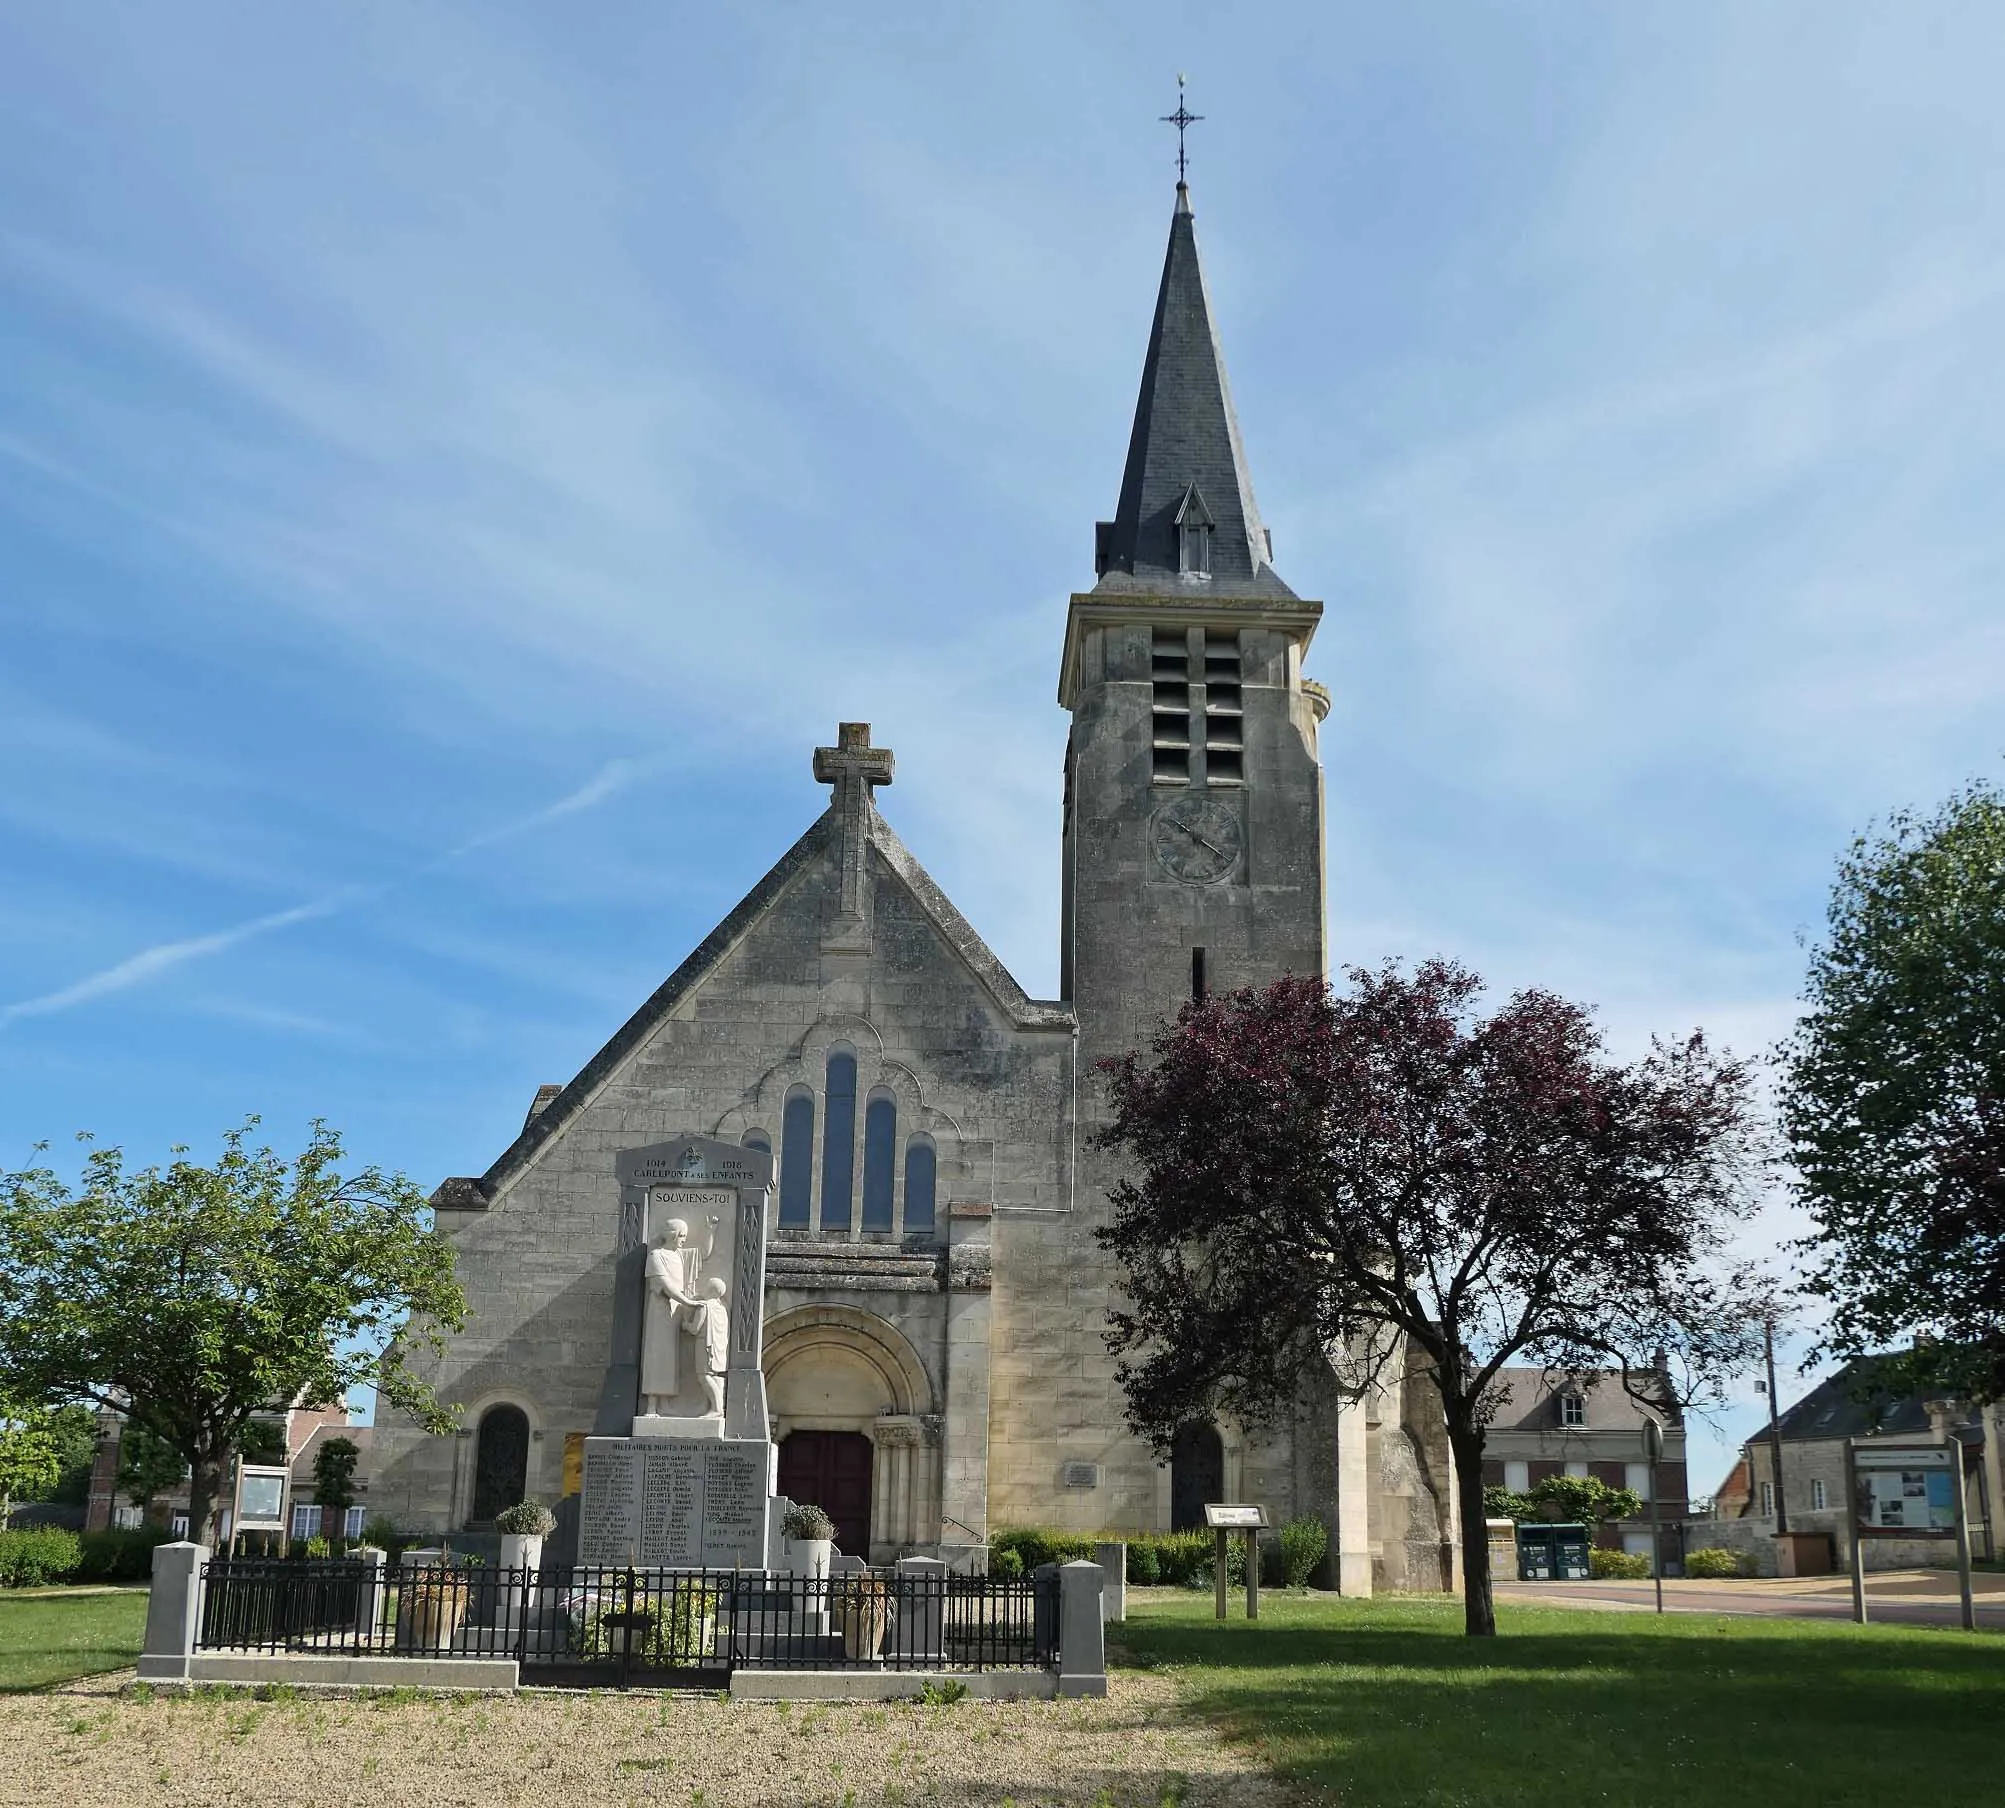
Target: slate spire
x=1185 y=461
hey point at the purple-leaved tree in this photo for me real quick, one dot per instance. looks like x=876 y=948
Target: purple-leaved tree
x=1319 y=1177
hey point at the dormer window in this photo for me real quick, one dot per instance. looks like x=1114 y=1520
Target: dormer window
x=1193 y=525
x=1572 y=1410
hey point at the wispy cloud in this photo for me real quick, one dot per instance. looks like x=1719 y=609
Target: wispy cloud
x=613 y=777
x=152 y=963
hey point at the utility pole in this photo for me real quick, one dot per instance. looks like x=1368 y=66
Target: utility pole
x=1775 y=1424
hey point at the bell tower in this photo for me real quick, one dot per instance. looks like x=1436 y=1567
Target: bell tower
x=1193 y=847
x=1193 y=797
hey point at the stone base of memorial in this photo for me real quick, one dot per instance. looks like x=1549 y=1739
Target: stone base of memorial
x=665 y=1425
x=675 y=1502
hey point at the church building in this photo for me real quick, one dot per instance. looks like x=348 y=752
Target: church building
x=936 y=1302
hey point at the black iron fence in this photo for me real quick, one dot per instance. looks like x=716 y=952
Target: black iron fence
x=605 y=1626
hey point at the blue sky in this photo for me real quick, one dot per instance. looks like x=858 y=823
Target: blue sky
x=455 y=464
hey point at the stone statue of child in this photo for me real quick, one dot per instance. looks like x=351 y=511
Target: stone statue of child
x=709 y=1323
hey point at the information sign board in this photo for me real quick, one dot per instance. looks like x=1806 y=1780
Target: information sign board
x=1910 y=1492
x=260 y=1499
x=1234 y=1517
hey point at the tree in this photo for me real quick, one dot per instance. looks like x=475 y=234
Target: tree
x=1319 y=1179
x=1894 y=1099
x=1508 y=1503
x=197 y=1297
x=334 y=1477
x=31 y=1454
x=1567 y=1499
x=1564 y=1500
x=148 y=1465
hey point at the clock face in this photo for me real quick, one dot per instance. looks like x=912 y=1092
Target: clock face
x=1197 y=838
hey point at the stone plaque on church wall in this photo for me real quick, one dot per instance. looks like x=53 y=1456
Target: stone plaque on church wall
x=674 y=1503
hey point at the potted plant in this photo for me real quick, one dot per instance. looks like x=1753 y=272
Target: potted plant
x=523 y=1527
x=810 y=1536
x=863 y=1610
x=434 y=1602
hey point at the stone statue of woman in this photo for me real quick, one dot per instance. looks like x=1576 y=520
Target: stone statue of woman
x=673 y=1274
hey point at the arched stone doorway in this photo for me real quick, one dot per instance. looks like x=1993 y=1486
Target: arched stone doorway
x=1197 y=1475
x=833 y=1470
x=500 y=1462
x=855 y=1381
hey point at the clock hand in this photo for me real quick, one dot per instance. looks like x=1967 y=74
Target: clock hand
x=1204 y=841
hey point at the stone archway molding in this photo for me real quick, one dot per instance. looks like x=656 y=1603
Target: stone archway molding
x=791 y=1336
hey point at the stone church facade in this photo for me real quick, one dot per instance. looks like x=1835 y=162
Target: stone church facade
x=935 y=1299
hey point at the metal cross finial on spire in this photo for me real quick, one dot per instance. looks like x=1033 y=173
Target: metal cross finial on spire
x=1182 y=119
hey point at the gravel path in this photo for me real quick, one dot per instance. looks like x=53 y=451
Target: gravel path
x=91 y=1744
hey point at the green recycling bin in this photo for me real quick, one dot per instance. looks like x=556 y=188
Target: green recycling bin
x=1553 y=1553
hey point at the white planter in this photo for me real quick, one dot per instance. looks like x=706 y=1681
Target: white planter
x=809 y=1556
x=520 y=1550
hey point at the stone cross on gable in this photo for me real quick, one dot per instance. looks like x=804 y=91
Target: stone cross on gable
x=853 y=767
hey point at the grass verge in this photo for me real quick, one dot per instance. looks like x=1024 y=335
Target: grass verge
x=1385 y=1702
x=49 y=1638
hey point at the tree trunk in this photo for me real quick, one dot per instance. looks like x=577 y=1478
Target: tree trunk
x=207 y=1475
x=1479 y=1608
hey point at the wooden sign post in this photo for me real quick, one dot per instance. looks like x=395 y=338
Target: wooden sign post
x=1224 y=1520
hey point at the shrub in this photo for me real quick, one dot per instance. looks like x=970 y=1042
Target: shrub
x=526 y=1519
x=1035 y=1545
x=1005 y=1565
x=1144 y=1568
x=805 y=1523
x=379 y=1532
x=120 y=1556
x=1183 y=1558
x=1617 y=1566
x=1714 y=1563
x=1303 y=1544
x=38 y=1557
x=662 y=1632
x=311 y=1548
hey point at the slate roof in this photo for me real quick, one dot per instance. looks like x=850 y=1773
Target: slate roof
x=1528 y=1400
x=1185 y=434
x=556 y=1106
x=1835 y=1409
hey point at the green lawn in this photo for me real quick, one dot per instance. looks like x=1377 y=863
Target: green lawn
x=47 y=1638
x=1385 y=1702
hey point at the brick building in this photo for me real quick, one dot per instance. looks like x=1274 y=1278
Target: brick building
x=1549 y=1424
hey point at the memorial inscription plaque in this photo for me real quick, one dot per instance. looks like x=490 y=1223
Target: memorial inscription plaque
x=674 y=1503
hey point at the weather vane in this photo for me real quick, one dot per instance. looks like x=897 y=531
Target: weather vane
x=1182 y=119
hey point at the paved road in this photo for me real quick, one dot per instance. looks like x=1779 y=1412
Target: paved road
x=1929 y=1605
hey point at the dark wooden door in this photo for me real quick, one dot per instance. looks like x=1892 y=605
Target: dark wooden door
x=1197 y=1475
x=831 y=1470
x=500 y=1463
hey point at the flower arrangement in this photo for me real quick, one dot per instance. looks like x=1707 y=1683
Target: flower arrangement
x=806 y=1524
x=526 y=1519
x=863 y=1608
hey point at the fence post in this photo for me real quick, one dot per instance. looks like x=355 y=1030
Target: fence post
x=369 y=1605
x=1113 y=1558
x=922 y=1618
x=1082 y=1634
x=172 y=1605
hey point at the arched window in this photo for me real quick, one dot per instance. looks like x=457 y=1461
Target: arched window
x=758 y=1139
x=797 y=1158
x=880 y=1154
x=921 y=1165
x=838 y=1142
x=500 y=1462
